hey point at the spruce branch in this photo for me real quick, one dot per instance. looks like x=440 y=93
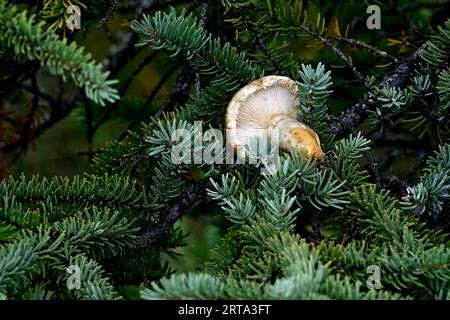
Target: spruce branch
x=314 y=85
x=349 y=119
x=368 y=48
x=432 y=192
x=112 y=7
x=23 y=257
x=31 y=40
x=95 y=232
x=56 y=14
x=348 y=61
x=183 y=34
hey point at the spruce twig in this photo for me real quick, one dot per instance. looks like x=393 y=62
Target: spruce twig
x=349 y=120
x=192 y=192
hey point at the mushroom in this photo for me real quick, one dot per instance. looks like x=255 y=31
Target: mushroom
x=270 y=103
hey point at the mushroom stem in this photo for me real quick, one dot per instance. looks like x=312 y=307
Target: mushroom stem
x=294 y=136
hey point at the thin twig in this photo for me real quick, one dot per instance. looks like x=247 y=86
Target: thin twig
x=192 y=192
x=179 y=94
x=26 y=134
x=391 y=182
x=348 y=120
x=139 y=116
x=89 y=125
x=343 y=57
x=315 y=223
x=57 y=114
x=372 y=168
x=123 y=89
x=368 y=47
x=108 y=14
x=136 y=72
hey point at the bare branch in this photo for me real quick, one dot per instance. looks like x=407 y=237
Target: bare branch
x=192 y=191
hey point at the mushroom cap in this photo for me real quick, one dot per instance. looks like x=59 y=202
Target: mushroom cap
x=253 y=107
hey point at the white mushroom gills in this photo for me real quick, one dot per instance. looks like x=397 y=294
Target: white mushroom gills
x=270 y=103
